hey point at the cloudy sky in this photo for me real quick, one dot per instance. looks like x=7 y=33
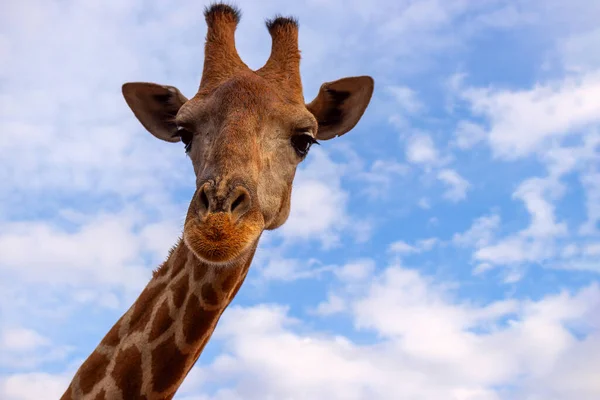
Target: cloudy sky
x=446 y=248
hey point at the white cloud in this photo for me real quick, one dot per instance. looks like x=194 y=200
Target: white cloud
x=355 y=271
x=582 y=257
x=103 y=251
x=284 y=269
x=505 y=16
x=591 y=183
x=562 y=159
x=400 y=247
x=515 y=249
x=21 y=339
x=472 y=350
x=381 y=177
x=536 y=243
x=22 y=348
x=541 y=242
x=408 y=105
x=424 y=203
x=318 y=202
x=578 y=51
x=536 y=194
x=273 y=266
x=523 y=122
x=569 y=251
x=71 y=129
x=427 y=244
x=420 y=149
x=482 y=268
x=592 y=249
x=33 y=386
x=480 y=233
x=468 y=134
x=333 y=305
x=457 y=185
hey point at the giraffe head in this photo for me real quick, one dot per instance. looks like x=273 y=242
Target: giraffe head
x=245 y=132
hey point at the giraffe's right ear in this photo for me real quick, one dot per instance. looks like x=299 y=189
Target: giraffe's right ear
x=155 y=106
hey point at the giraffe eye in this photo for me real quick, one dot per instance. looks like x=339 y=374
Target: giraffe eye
x=301 y=143
x=186 y=137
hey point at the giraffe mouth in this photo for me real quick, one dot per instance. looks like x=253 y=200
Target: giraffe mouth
x=217 y=239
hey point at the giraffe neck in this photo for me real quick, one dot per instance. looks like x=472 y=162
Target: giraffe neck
x=150 y=350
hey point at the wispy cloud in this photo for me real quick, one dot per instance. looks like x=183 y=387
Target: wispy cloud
x=425 y=332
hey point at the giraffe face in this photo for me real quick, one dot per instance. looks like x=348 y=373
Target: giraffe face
x=245 y=142
x=245 y=132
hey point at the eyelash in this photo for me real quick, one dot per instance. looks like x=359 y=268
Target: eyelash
x=301 y=142
x=186 y=137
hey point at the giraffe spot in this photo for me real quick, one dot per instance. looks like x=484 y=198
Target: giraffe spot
x=209 y=295
x=162 y=321
x=112 y=337
x=127 y=372
x=179 y=259
x=180 y=290
x=229 y=281
x=101 y=395
x=197 y=322
x=168 y=365
x=178 y=264
x=92 y=371
x=143 y=307
x=200 y=270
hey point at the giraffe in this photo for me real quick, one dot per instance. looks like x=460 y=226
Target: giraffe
x=245 y=132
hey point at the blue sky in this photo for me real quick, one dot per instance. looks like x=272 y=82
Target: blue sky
x=446 y=248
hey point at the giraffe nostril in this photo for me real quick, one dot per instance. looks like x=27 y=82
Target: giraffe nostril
x=204 y=202
x=241 y=202
x=238 y=201
x=204 y=198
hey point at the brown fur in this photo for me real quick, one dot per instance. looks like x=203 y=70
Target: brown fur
x=198 y=320
x=210 y=296
x=143 y=308
x=168 y=365
x=242 y=130
x=101 y=395
x=127 y=373
x=112 y=337
x=93 y=370
x=180 y=290
x=162 y=321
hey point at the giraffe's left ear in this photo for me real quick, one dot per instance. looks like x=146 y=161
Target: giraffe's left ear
x=340 y=104
x=155 y=106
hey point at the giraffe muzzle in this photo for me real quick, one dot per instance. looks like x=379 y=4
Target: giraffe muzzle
x=222 y=222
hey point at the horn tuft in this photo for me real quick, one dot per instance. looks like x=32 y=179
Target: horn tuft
x=222 y=10
x=281 y=22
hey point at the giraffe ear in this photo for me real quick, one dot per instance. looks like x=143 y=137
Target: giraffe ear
x=340 y=104
x=155 y=106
